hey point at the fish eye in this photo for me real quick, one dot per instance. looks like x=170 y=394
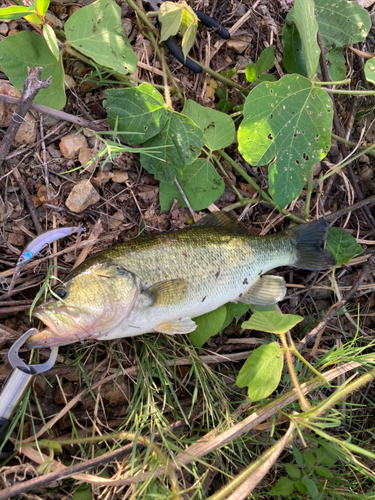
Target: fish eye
x=61 y=292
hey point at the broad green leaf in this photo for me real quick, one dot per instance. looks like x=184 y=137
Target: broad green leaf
x=234 y=311
x=300 y=486
x=261 y=372
x=370 y=70
x=309 y=458
x=188 y=28
x=15 y=12
x=83 y=492
x=294 y=60
x=311 y=486
x=218 y=128
x=307 y=26
x=96 y=31
x=182 y=141
x=24 y=50
x=139 y=111
x=200 y=182
x=298 y=456
x=255 y=307
x=284 y=487
x=341 y=22
x=266 y=78
x=266 y=60
x=208 y=325
x=50 y=38
x=170 y=17
x=287 y=123
x=292 y=471
x=323 y=471
x=336 y=65
x=42 y=6
x=272 y=322
x=251 y=72
x=342 y=245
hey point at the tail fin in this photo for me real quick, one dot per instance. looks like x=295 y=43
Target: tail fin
x=309 y=240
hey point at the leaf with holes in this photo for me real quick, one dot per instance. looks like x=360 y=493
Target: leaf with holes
x=24 y=50
x=208 y=325
x=181 y=141
x=342 y=245
x=218 y=128
x=370 y=70
x=287 y=123
x=200 y=182
x=272 y=322
x=138 y=111
x=261 y=372
x=308 y=28
x=96 y=31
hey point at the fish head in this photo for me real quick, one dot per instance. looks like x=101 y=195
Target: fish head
x=88 y=305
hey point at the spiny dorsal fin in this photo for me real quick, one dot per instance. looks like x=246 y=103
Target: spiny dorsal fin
x=169 y=292
x=224 y=221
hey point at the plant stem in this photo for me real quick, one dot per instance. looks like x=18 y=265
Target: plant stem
x=351 y=144
x=302 y=400
x=252 y=183
x=242 y=203
x=350 y=92
x=342 y=165
x=222 y=78
x=309 y=190
x=167 y=94
x=342 y=82
x=142 y=15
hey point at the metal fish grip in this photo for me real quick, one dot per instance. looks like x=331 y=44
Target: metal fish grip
x=17 y=384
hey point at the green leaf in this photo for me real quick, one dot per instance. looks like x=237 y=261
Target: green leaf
x=326 y=455
x=284 y=487
x=96 y=31
x=292 y=471
x=261 y=372
x=255 y=307
x=182 y=141
x=307 y=26
x=50 y=38
x=199 y=181
x=323 y=471
x=42 y=7
x=341 y=22
x=265 y=78
x=309 y=458
x=336 y=65
x=287 y=123
x=139 y=111
x=342 y=245
x=370 y=70
x=188 y=27
x=266 y=60
x=298 y=456
x=27 y=49
x=251 y=72
x=234 y=311
x=218 y=128
x=294 y=60
x=170 y=17
x=310 y=486
x=83 y=492
x=208 y=325
x=272 y=322
x=300 y=486
x=16 y=12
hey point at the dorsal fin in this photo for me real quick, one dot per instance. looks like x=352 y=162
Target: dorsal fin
x=224 y=221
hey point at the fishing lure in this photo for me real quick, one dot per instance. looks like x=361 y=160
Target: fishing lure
x=44 y=239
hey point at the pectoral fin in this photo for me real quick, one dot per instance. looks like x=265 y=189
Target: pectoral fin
x=180 y=325
x=267 y=290
x=167 y=293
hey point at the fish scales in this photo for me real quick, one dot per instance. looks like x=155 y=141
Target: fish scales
x=158 y=283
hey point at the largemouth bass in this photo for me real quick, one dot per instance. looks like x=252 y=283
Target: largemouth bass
x=158 y=283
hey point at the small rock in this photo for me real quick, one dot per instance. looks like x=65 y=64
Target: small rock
x=102 y=177
x=126 y=24
x=240 y=43
x=242 y=62
x=26 y=134
x=3 y=28
x=12 y=32
x=50 y=121
x=82 y=196
x=364 y=159
x=241 y=10
x=54 y=21
x=55 y=153
x=366 y=172
x=16 y=239
x=320 y=293
x=85 y=155
x=119 y=176
x=27 y=131
x=116 y=220
x=69 y=82
x=71 y=144
x=13 y=24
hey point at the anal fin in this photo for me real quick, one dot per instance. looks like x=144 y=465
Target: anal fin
x=266 y=291
x=180 y=326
